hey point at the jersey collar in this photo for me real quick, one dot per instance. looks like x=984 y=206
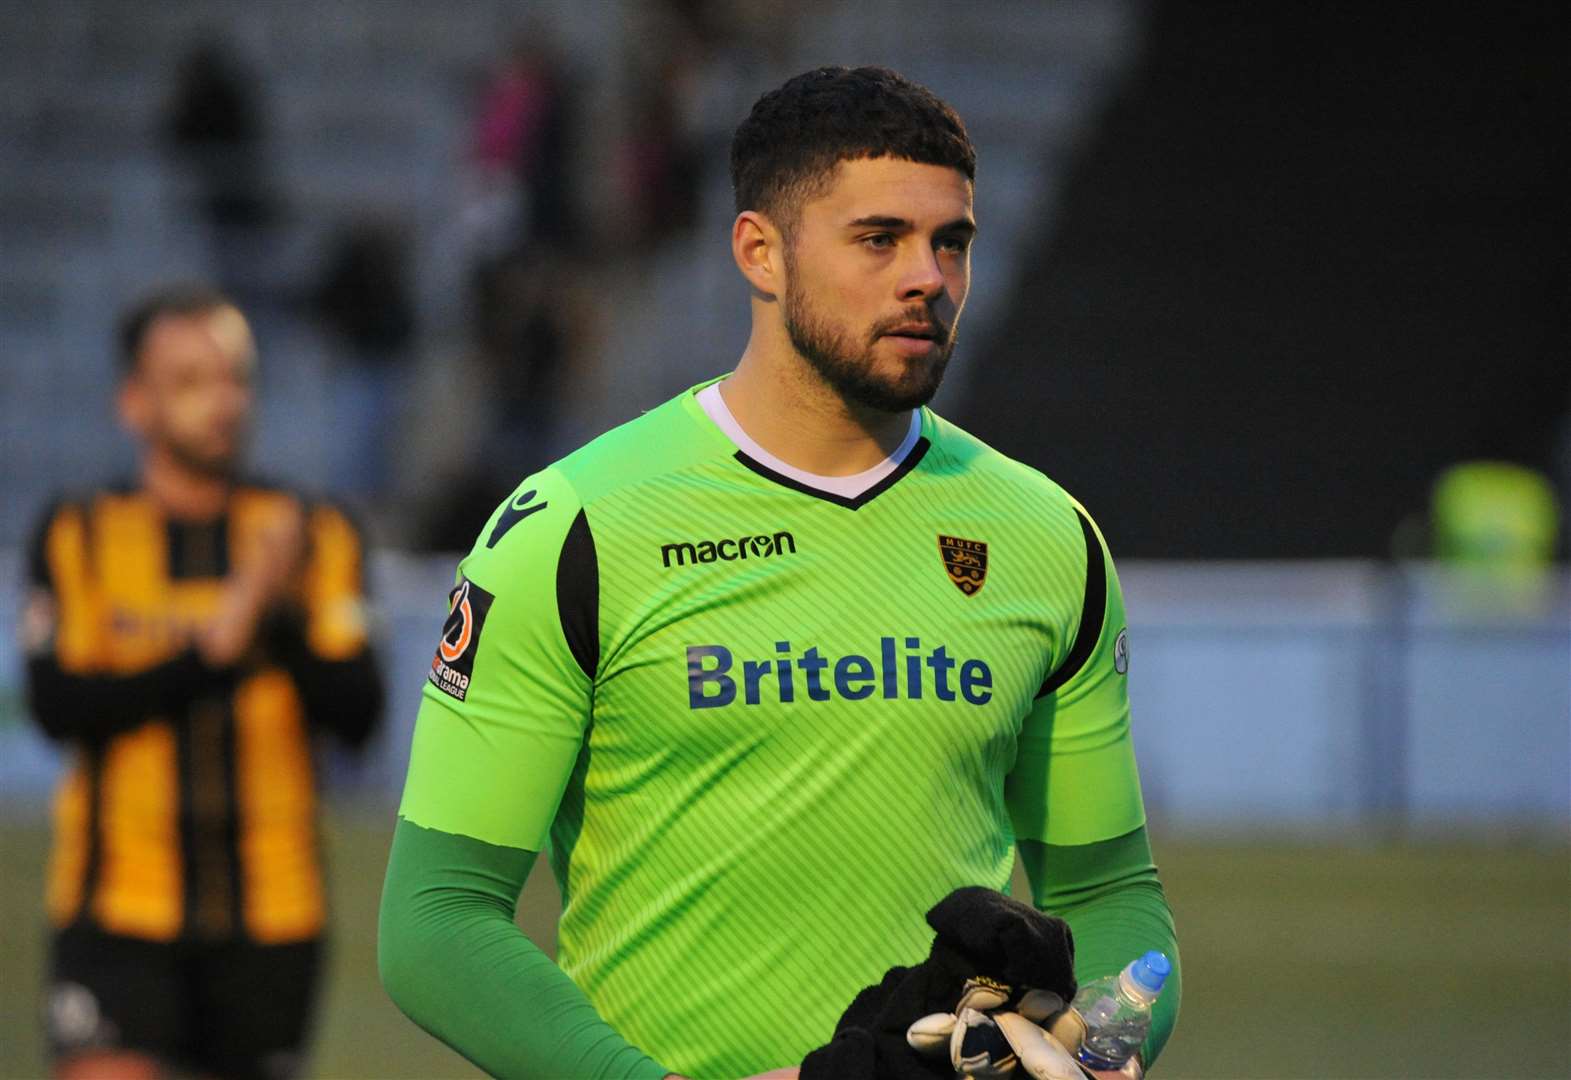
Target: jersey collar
x=851 y=492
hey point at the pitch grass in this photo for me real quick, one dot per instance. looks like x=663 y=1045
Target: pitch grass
x=1301 y=959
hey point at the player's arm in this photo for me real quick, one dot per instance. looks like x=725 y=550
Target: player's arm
x=1110 y=895
x=499 y=731
x=70 y=694
x=455 y=962
x=1074 y=797
x=322 y=637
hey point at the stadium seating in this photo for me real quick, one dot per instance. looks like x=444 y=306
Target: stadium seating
x=365 y=104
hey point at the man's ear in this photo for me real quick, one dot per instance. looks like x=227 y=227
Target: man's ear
x=759 y=250
x=132 y=406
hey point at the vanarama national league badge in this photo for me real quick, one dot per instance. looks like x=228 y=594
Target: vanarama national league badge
x=966 y=561
x=454 y=663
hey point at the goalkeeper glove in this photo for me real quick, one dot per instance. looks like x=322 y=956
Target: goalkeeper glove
x=995 y=1030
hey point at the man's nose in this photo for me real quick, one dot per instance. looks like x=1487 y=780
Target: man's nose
x=921 y=277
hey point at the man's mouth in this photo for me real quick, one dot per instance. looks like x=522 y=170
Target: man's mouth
x=916 y=341
x=922 y=331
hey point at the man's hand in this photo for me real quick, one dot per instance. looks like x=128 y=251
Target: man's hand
x=263 y=577
x=995 y=1031
x=992 y=1046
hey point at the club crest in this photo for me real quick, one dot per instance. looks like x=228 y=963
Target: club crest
x=966 y=562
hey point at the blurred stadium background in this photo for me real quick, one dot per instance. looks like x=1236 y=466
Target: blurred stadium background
x=1251 y=279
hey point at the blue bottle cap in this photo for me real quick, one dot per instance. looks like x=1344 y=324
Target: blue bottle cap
x=1151 y=971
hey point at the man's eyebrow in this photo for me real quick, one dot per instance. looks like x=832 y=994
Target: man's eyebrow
x=880 y=221
x=898 y=224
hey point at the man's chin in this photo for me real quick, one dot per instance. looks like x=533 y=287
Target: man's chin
x=914 y=399
x=215 y=465
x=888 y=376
x=915 y=384
x=901 y=394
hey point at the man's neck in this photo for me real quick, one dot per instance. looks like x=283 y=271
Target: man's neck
x=184 y=493
x=789 y=412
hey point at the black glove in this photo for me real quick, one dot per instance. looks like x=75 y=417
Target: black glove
x=980 y=933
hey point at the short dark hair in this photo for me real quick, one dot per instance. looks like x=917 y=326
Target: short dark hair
x=180 y=300
x=786 y=150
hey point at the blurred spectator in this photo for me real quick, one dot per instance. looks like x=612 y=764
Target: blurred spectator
x=190 y=634
x=363 y=298
x=1495 y=513
x=522 y=339
x=521 y=145
x=528 y=333
x=214 y=130
x=1497 y=523
x=662 y=165
x=522 y=243
x=1561 y=467
x=661 y=160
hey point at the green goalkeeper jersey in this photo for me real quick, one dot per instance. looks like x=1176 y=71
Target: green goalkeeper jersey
x=762 y=726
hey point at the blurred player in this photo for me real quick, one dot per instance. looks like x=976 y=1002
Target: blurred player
x=189 y=633
x=774 y=667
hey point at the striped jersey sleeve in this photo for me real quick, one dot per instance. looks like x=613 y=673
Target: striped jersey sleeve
x=1075 y=780
x=507 y=697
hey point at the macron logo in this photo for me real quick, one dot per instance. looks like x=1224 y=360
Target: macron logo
x=762 y=546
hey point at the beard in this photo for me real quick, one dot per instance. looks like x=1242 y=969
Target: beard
x=218 y=462
x=852 y=371
x=215 y=466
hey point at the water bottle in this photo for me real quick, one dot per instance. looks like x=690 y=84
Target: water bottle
x=1117 y=1011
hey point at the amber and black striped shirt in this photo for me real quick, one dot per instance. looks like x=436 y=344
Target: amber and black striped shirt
x=188 y=810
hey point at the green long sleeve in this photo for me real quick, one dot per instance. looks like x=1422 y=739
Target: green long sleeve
x=1111 y=897
x=453 y=960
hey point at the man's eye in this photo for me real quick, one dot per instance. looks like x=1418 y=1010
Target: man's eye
x=880 y=241
x=953 y=245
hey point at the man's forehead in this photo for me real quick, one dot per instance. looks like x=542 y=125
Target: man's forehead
x=895 y=187
x=230 y=330
x=221 y=332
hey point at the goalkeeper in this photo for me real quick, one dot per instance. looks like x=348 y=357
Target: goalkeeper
x=775 y=667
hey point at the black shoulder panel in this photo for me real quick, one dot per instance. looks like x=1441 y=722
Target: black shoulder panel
x=578 y=594
x=1092 y=612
